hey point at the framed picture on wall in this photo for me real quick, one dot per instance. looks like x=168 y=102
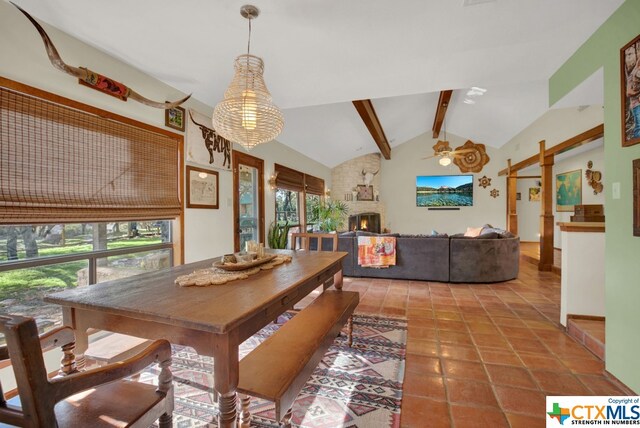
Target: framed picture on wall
x=534 y=194
x=630 y=96
x=568 y=190
x=202 y=188
x=636 y=197
x=174 y=118
x=365 y=193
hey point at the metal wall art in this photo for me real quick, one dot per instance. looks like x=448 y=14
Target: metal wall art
x=484 y=181
x=474 y=158
x=594 y=178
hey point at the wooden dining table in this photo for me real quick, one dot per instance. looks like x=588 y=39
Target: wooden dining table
x=214 y=320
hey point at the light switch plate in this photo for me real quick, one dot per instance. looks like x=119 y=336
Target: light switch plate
x=615 y=190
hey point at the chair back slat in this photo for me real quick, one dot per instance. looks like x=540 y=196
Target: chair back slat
x=305 y=240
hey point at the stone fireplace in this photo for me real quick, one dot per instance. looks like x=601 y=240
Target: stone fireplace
x=369 y=222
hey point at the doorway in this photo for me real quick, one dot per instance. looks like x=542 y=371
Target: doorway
x=248 y=199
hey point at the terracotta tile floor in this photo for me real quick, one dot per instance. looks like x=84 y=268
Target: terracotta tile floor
x=483 y=355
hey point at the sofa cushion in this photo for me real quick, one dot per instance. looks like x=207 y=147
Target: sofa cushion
x=365 y=233
x=489 y=235
x=472 y=232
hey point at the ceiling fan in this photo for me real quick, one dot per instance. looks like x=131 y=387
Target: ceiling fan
x=443 y=150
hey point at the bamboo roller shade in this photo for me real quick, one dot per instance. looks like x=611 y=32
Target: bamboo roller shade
x=291 y=179
x=61 y=165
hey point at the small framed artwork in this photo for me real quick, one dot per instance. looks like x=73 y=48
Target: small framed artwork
x=365 y=193
x=202 y=188
x=174 y=118
x=636 y=197
x=568 y=190
x=630 y=87
x=518 y=196
x=534 y=194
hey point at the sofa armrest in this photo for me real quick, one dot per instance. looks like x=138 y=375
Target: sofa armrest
x=484 y=260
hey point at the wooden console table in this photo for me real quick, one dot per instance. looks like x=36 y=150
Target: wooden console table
x=214 y=320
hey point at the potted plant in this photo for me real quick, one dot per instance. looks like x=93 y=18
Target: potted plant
x=278 y=235
x=329 y=216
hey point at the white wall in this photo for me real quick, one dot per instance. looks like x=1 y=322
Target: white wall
x=582 y=290
x=207 y=232
x=555 y=126
x=398 y=190
x=529 y=212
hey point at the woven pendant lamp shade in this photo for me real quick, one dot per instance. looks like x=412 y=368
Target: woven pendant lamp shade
x=247 y=115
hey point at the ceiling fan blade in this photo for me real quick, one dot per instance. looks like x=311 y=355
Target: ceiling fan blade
x=463 y=151
x=430 y=157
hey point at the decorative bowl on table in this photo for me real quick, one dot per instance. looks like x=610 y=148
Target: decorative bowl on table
x=243 y=265
x=245 y=256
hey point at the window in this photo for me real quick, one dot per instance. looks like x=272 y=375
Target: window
x=85 y=196
x=36 y=260
x=294 y=188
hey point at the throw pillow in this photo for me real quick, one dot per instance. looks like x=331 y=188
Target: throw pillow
x=472 y=232
x=486 y=230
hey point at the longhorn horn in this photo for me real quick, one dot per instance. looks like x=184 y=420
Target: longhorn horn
x=91 y=78
x=194 y=121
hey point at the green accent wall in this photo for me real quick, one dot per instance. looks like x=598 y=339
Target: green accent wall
x=622 y=254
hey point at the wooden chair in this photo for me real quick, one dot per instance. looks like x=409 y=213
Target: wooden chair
x=96 y=398
x=304 y=239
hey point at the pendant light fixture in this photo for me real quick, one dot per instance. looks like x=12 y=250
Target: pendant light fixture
x=445 y=159
x=247 y=115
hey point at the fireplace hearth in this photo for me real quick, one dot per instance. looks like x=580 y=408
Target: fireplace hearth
x=369 y=222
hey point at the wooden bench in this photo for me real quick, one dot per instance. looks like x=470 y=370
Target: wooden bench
x=280 y=366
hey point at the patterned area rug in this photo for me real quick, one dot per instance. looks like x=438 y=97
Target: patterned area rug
x=352 y=387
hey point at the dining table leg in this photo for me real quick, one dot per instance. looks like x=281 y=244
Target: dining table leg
x=225 y=377
x=70 y=319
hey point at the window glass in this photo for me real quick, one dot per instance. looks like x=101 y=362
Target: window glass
x=22 y=289
x=287 y=207
x=28 y=242
x=311 y=202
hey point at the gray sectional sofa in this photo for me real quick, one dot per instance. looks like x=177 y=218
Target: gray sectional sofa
x=492 y=257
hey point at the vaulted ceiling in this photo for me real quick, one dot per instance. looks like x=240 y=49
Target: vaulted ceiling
x=320 y=56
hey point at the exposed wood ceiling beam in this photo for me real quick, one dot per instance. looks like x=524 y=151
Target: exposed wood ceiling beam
x=441 y=111
x=370 y=119
x=580 y=139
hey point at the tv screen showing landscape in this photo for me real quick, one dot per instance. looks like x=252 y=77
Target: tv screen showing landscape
x=444 y=190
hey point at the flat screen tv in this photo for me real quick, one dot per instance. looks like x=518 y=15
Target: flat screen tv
x=444 y=190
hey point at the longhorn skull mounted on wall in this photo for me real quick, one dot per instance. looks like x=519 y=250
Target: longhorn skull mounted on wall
x=367 y=177
x=93 y=79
